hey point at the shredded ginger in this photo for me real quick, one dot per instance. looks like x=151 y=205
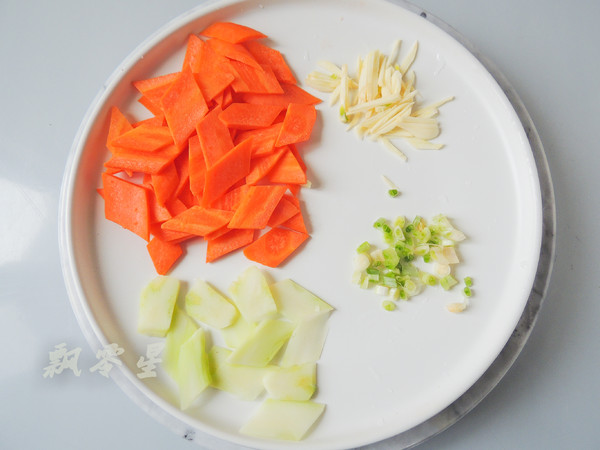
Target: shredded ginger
x=380 y=102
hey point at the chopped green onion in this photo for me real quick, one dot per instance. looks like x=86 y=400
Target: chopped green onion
x=427 y=257
x=468 y=281
x=467 y=291
x=393 y=192
x=364 y=247
x=388 y=305
x=409 y=228
x=447 y=282
x=391 y=258
x=379 y=223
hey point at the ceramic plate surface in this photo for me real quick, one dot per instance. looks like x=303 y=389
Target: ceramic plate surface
x=381 y=373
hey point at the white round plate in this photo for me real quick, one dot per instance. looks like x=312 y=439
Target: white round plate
x=381 y=373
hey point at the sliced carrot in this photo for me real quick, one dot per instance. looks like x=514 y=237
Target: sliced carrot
x=235 y=52
x=217 y=155
x=298 y=156
x=231 y=32
x=158 y=212
x=291 y=94
x=214 y=136
x=260 y=80
x=232 y=198
x=287 y=170
x=263 y=139
x=275 y=246
x=157 y=120
x=297 y=125
x=267 y=56
x=117 y=126
x=193 y=54
x=286 y=209
x=260 y=166
x=227 y=171
x=184 y=106
x=170 y=236
x=163 y=254
x=182 y=163
x=142 y=161
x=146 y=137
x=197 y=167
x=216 y=72
x=199 y=221
x=228 y=242
x=245 y=116
x=165 y=183
x=149 y=84
x=296 y=223
x=187 y=197
x=126 y=204
x=176 y=206
x=256 y=208
x=151 y=105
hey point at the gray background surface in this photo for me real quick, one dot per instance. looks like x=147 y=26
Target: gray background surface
x=548 y=50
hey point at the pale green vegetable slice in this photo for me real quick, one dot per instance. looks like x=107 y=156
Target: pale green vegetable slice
x=182 y=328
x=292 y=383
x=295 y=302
x=205 y=304
x=260 y=348
x=157 y=301
x=252 y=296
x=237 y=333
x=244 y=382
x=307 y=341
x=193 y=368
x=283 y=419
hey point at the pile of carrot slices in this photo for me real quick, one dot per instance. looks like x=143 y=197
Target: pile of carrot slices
x=218 y=159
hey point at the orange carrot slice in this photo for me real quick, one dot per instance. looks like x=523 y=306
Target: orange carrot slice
x=199 y=221
x=146 y=137
x=214 y=136
x=297 y=125
x=193 y=54
x=163 y=254
x=184 y=106
x=260 y=166
x=235 y=52
x=244 y=116
x=165 y=183
x=256 y=207
x=227 y=171
x=117 y=126
x=150 y=84
x=232 y=198
x=287 y=170
x=227 y=242
x=286 y=209
x=142 y=161
x=263 y=139
x=275 y=246
x=126 y=204
x=291 y=94
x=231 y=32
x=267 y=56
x=196 y=167
x=260 y=80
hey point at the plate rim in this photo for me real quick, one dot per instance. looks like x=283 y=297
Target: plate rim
x=411 y=437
